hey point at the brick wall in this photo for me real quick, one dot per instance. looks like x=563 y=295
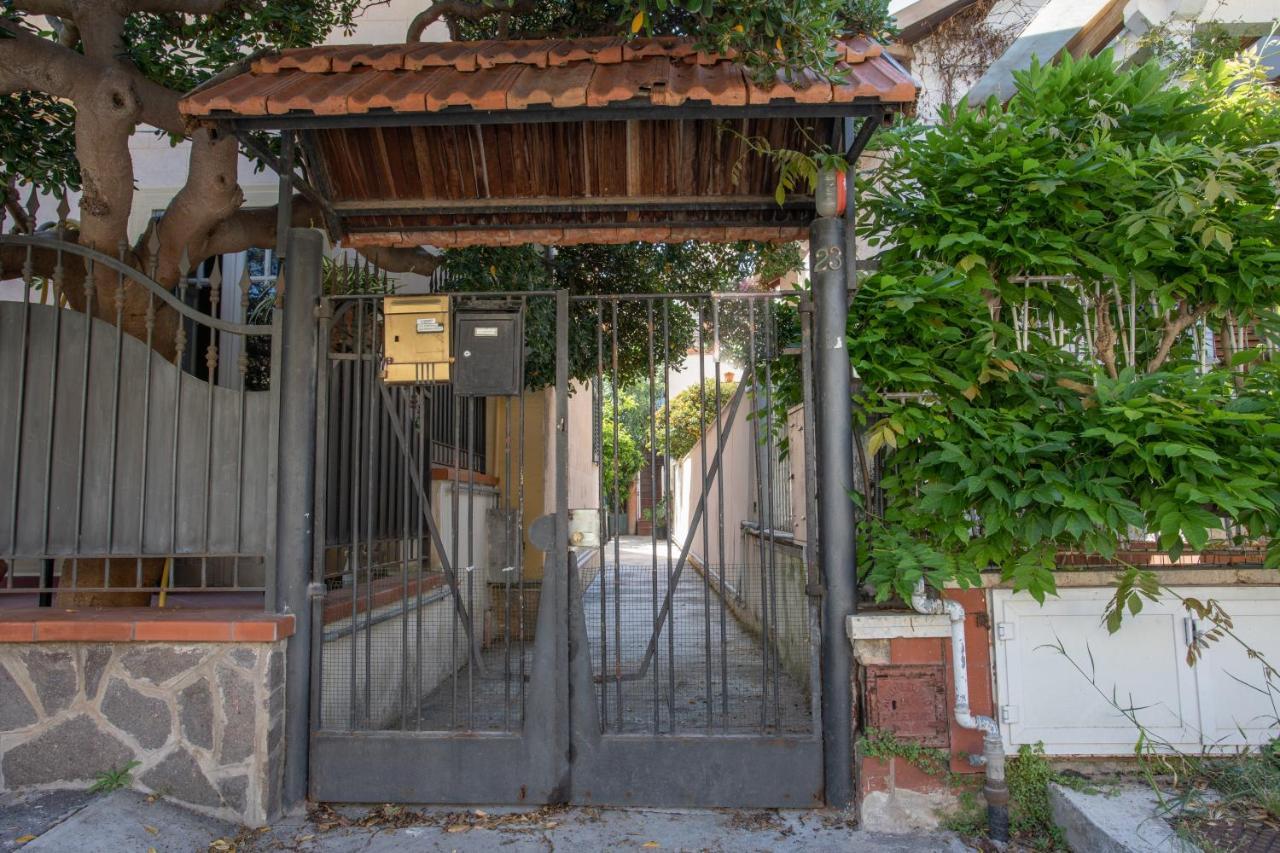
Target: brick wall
x=905 y=685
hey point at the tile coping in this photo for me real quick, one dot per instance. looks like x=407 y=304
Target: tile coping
x=142 y=624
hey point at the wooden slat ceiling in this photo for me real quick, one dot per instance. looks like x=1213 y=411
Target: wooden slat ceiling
x=597 y=140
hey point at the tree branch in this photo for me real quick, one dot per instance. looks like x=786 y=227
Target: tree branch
x=31 y=63
x=182 y=7
x=1105 y=342
x=471 y=10
x=1173 y=328
x=210 y=196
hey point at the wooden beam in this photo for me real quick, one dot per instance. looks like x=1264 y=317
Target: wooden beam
x=556 y=204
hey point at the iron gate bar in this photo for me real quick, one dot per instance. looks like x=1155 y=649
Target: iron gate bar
x=171 y=301
x=296 y=531
x=835 y=506
x=562 y=751
x=529 y=766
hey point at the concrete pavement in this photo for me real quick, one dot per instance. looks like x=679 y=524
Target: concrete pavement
x=124 y=821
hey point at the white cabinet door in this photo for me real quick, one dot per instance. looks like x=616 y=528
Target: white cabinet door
x=1047 y=696
x=1236 y=708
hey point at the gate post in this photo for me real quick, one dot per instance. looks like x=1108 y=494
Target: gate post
x=836 y=521
x=295 y=489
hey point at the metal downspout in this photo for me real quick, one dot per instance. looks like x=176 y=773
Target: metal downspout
x=995 y=791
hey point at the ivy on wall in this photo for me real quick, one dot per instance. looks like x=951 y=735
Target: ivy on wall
x=1035 y=348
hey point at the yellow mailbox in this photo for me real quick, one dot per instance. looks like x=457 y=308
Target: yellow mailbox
x=417 y=334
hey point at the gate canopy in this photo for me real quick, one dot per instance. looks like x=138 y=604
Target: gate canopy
x=596 y=140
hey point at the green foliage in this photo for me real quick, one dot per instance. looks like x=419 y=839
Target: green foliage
x=181 y=51
x=692 y=410
x=36 y=141
x=1010 y=443
x=1196 y=47
x=885 y=745
x=605 y=271
x=113 y=779
x=620 y=463
x=770 y=36
x=1028 y=775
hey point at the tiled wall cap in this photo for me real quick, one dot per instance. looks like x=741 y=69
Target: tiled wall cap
x=141 y=624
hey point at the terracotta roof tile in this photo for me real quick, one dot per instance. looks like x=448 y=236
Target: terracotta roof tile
x=514 y=159
x=563 y=86
x=804 y=87
x=627 y=80
x=498 y=75
x=875 y=80
x=402 y=92
x=383 y=57
x=724 y=84
x=604 y=50
x=860 y=49
x=481 y=90
x=461 y=55
x=244 y=95
x=313 y=60
x=671 y=46
x=528 y=52
x=321 y=95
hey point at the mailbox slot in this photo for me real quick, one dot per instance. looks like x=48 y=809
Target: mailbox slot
x=489 y=353
x=417 y=335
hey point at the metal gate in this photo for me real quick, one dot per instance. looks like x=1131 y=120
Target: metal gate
x=596 y=591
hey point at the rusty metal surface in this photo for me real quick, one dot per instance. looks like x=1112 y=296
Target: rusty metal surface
x=910 y=701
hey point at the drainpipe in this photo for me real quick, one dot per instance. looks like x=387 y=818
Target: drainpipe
x=995 y=791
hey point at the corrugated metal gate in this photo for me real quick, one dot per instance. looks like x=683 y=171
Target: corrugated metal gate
x=485 y=639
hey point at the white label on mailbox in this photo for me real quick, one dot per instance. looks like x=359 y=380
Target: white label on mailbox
x=486 y=331
x=429 y=324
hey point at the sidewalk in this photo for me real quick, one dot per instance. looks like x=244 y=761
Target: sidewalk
x=124 y=822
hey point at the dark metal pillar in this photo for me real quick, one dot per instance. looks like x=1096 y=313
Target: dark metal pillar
x=295 y=492
x=834 y=414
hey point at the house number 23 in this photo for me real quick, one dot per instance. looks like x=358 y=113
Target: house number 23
x=827 y=259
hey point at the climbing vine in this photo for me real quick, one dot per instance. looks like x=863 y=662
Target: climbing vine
x=1071 y=336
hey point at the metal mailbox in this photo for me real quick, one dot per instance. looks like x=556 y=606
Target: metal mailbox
x=490 y=350
x=417 y=337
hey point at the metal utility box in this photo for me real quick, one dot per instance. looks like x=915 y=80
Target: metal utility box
x=909 y=700
x=416 y=345
x=489 y=353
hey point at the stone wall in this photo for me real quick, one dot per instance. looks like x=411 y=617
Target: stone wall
x=204 y=721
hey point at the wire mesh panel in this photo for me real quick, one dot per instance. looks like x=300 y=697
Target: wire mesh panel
x=428 y=615
x=699 y=618
x=471 y=653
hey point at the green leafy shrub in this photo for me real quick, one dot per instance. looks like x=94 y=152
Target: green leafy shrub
x=692 y=409
x=621 y=463
x=1023 y=417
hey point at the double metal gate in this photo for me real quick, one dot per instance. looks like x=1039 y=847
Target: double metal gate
x=594 y=591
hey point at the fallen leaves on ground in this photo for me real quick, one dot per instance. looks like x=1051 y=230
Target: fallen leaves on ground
x=763 y=820
x=326 y=818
